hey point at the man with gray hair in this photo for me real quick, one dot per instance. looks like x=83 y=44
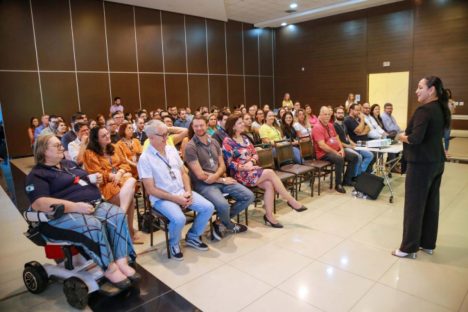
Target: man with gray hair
x=168 y=185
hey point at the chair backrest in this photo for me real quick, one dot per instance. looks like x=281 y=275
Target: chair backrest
x=307 y=148
x=265 y=158
x=284 y=153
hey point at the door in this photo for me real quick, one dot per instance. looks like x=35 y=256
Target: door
x=391 y=88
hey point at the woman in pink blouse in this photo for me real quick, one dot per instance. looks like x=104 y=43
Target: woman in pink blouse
x=241 y=159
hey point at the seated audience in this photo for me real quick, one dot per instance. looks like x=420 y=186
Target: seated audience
x=389 y=121
x=287 y=102
x=302 y=125
x=204 y=158
x=266 y=108
x=61 y=129
x=52 y=127
x=33 y=124
x=116 y=106
x=113 y=130
x=212 y=124
x=349 y=101
x=253 y=111
x=296 y=108
x=269 y=131
x=77 y=148
x=279 y=115
x=168 y=185
x=70 y=136
x=365 y=158
x=376 y=132
x=100 y=120
x=242 y=159
x=183 y=121
x=259 y=120
x=118 y=118
x=129 y=147
x=328 y=147
x=44 y=124
x=177 y=134
x=54 y=180
x=375 y=115
x=356 y=125
x=128 y=118
x=291 y=135
x=118 y=185
x=140 y=130
x=221 y=133
x=310 y=116
x=252 y=135
x=92 y=123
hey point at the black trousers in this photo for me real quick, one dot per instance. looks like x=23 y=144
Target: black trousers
x=421 y=214
x=339 y=163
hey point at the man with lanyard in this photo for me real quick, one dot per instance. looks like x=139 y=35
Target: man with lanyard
x=168 y=185
x=328 y=147
x=364 y=157
x=205 y=160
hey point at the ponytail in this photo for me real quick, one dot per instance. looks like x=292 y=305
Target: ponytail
x=443 y=97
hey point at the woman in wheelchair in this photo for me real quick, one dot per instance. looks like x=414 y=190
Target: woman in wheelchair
x=100 y=228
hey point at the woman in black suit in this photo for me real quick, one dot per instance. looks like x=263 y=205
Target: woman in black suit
x=424 y=152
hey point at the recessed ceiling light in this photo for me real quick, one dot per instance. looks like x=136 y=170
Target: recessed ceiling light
x=293 y=5
x=284 y=24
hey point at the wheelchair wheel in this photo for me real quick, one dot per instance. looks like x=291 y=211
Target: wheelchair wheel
x=35 y=277
x=76 y=292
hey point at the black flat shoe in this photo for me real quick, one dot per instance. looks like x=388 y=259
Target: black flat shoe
x=124 y=284
x=135 y=278
x=275 y=225
x=340 y=189
x=301 y=209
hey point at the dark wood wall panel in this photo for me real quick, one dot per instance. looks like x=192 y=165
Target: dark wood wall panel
x=196 y=44
x=53 y=34
x=174 y=42
x=251 y=49
x=89 y=35
x=218 y=94
x=252 y=94
x=234 y=47
x=120 y=37
x=18 y=108
x=152 y=91
x=266 y=52
x=198 y=91
x=176 y=90
x=148 y=29
x=94 y=100
x=216 y=47
x=126 y=87
x=59 y=93
x=266 y=90
x=16 y=40
x=236 y=90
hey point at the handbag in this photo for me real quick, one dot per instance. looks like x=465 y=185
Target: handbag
x=369 y=184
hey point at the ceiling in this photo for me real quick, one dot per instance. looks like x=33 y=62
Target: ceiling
x=261 y=13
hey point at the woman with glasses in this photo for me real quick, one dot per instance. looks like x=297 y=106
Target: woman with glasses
x=118 y=186
x=55 y=180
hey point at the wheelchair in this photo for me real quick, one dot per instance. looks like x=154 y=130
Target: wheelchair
x=81 y=277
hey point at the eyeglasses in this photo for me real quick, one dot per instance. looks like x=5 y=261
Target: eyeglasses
x=164 y=136
x=57 y=145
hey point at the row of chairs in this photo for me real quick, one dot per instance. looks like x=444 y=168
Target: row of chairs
x=291 y=174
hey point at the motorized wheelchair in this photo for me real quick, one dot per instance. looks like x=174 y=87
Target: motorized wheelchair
x=80 y=275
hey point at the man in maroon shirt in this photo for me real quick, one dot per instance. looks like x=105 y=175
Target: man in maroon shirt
x=328 y=147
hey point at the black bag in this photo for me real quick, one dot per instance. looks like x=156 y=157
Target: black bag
x=369 y=184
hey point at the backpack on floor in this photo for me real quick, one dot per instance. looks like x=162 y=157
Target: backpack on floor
x=369 y=184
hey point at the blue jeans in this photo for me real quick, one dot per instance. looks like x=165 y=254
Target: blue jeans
x=447 y=138
x=177 y=220
x=214 y=193
x=365 y=158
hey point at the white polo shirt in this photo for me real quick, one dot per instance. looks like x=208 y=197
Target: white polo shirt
x=154 y=165
x=74 y=149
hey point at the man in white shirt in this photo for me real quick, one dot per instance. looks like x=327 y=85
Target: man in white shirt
x=376 y=132
x=168 y=185
x=77 y=147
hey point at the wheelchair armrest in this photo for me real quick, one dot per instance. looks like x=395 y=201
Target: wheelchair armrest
x=39 y=216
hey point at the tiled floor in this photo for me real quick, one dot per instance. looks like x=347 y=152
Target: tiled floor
x=333 y=257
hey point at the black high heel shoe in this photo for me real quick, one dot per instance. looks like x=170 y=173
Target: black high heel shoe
x=275 y=225
x=301 y=209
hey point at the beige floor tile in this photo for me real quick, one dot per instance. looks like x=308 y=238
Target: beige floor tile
x=271 y=264
x=176 y=273
x=464 y=306
x=385 y=237
x=339 y=224
x=308 y=242
x=358 y=258
x=278 y=301
x=438 y=283
x=385 y=299
x=224 y=289
x=327 y=287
